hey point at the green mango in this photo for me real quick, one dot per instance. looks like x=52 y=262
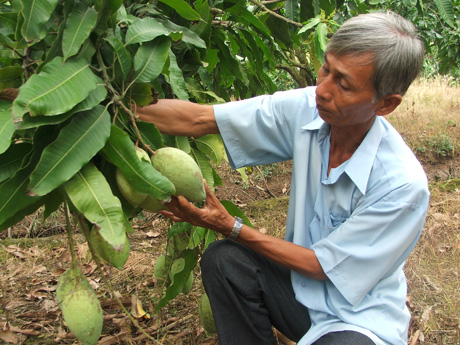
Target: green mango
x=133 y=196
x=106 y=252
x=162 y=265
x=80 y=306
x=188 y=284
x=182 y=171
x=152 y=204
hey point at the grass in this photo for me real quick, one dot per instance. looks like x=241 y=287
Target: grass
x=428 y=118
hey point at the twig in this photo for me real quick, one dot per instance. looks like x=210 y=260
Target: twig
x=132 y=116
x=279 y=16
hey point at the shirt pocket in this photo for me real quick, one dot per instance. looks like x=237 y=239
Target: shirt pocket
x=334 y=221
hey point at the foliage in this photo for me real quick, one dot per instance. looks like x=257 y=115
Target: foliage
x=438 y=22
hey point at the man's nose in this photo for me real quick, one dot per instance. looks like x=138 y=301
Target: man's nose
x=323 y=89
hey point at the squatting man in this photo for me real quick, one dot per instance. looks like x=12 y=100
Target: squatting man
x=357 y=205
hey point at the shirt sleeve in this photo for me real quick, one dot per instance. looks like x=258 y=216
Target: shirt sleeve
x=261 y=130
x=373 y=242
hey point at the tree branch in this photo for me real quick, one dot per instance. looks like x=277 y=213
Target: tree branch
x=277 y=15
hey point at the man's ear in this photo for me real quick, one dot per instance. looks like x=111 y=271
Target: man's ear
x=388 y=103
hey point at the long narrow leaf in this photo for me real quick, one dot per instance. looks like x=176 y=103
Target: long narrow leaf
x=13 y=195
x=183 y=9
x=292 y=9
x=11 y=160
x=122 y=54
x=7 y=129
x=150 y=59
x=445 y=9
x=120 y=151
x=58 y=88
x=77 y=143
x=91 y=195
x=176 y=78
x=191 y=258
x=79 y=25
x=213 y=146
x=36 y=13
x=93 y=99
x=150 y=134
x=144 y=30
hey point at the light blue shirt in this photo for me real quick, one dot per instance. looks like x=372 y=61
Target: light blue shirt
x=362 y=220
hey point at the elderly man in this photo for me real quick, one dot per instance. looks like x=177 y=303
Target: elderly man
x=358 y=197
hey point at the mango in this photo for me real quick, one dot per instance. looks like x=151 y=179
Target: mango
x=162 y=265
x=188 y=284
x=206 y=318
x=106 y=252
x=182 y=171
x=133 y=196
x=152 y=204
x=80 y=306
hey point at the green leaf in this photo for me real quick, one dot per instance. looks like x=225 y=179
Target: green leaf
x=36 y=14
x=10 y=77
x=11 y=160
x=321 y=35
x=235 y=211
x=122 y=54
x=213 y=146
x=91 y=195
x=150 y=134
x=179 y=228
x=80 y=23
x=445 y=9
x=144 y=30
x=150 y=59
x=93 y=99
x=76 y=144
x=176 y=78
x=142 y=176
x=57 y=89
x=141 y=94
x=188 y=36
x=205 y=167
x=7 y=129
x=13 y=195
x=312 y=22
x=20 y=214
x=191 y=258
x=183 y=9
x=292 y=9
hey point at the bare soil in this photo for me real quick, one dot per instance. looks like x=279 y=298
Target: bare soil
x=34 y=254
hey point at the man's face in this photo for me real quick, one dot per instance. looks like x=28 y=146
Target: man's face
x=344 y=92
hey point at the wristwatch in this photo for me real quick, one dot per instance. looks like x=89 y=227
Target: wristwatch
x=236 y=229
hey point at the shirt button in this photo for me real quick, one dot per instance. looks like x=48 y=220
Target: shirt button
x=303 y=283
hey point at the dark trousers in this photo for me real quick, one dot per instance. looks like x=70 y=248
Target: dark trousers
x=249 y=294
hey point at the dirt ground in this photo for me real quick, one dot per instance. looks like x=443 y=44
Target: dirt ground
x=34 y=254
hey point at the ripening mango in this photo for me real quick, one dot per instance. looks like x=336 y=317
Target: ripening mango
x=80 y=306
x=182 y=171
x=133 y=196
x=113 y=257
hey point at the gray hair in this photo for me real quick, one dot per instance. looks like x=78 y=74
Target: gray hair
x=394 y=42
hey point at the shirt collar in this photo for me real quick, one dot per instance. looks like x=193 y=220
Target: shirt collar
x=359 y=166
